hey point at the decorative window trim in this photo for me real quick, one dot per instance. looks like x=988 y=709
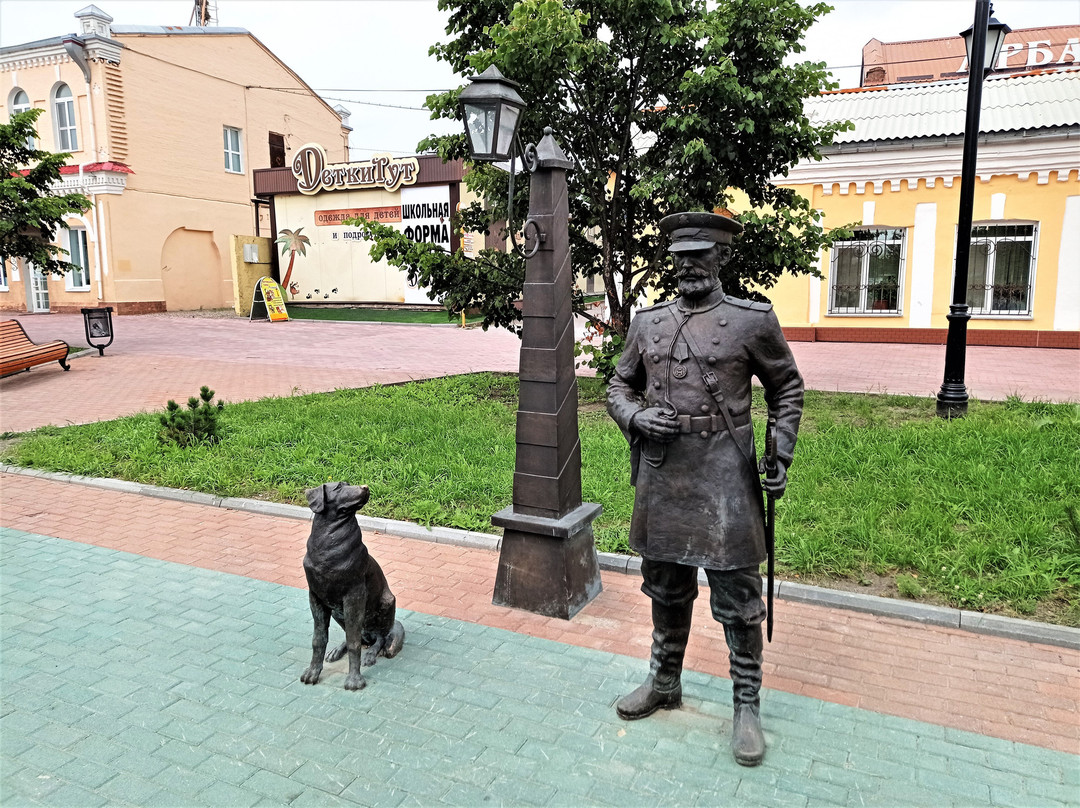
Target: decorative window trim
x=4 y=281
x=992 y=240
x=234 y=151
x=872 y=241
x=79 y=254
x=65 y=122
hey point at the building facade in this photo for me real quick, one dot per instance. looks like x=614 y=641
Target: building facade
x=165 y=126
x=896 y=178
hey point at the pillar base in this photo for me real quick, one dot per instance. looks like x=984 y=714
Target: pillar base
x=547 y=566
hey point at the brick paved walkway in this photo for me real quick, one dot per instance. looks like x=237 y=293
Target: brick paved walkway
x=161 y=666
x=155 y=358
x=151 y=649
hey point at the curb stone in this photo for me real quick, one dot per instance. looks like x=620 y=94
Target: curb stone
x=975 y=622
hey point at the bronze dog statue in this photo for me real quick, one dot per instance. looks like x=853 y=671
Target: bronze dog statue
x=346 y=583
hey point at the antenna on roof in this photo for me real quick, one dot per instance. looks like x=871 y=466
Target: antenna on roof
x=204 y=13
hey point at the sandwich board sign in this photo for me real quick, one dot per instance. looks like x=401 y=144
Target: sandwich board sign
x=268 y=301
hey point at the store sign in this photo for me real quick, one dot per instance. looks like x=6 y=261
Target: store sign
x=313 y=173
x=384 y=215
x=1038 y=54
x=425 y=214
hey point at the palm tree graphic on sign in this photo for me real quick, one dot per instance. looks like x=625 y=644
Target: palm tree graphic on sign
x=292 y=242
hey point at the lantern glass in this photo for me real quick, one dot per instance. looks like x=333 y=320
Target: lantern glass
x=480 y=126
x=508 y=122
x=995 y=40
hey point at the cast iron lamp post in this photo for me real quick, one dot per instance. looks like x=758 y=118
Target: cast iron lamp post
x=984 y=40
x=547 y=563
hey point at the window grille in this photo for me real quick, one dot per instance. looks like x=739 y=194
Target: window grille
x=867 y=272
x=1000 y=264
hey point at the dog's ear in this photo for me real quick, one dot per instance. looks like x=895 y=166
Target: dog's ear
x=316 y=498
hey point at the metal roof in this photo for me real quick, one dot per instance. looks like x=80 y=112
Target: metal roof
x=1009 y=103
x=942 y=58
x=174 y=29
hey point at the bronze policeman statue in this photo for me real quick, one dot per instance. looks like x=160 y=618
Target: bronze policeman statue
x=681 y=394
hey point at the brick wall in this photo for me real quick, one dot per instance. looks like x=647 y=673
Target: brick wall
x=937 y=336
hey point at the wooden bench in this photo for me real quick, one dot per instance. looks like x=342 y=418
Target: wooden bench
x=17 y=352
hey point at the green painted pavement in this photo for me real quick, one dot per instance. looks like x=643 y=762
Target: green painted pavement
x=131 y=681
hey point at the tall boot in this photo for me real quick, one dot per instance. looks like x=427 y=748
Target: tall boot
x=745 y=653
x=663 y=687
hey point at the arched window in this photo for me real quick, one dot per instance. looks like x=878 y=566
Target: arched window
x=20 y=102
x=67 y=138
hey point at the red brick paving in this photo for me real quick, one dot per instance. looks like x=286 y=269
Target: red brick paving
x=1004 y=688
x=155 y=358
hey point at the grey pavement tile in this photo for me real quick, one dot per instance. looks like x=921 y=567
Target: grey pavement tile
x=517 y=719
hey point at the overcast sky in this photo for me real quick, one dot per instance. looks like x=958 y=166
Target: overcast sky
x=375 y=51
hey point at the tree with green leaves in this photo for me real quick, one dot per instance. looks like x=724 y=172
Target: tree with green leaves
x=30 y=211
x=663 y=105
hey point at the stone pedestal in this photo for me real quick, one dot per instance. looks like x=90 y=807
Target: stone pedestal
x=547 y=566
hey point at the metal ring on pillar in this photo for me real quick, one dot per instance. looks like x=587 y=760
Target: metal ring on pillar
x=538 y=236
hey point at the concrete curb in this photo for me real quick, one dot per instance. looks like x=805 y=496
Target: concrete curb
x=975 y=622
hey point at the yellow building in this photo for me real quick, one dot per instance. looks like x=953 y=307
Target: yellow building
x=897 y=177
x=165 y=125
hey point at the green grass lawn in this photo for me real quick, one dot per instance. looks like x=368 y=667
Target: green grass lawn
x=979 y=513
x=429 y=317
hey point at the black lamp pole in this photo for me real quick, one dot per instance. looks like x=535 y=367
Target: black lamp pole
x=952 y=399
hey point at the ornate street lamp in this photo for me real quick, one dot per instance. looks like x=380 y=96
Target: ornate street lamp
x=491 y=109
x=547 y=563
x=984 y=40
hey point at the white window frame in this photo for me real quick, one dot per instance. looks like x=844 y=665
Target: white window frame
x=66 y=126
x=79 y=255
x=4 y=284
x=987 y=310
x=234 y=153
x=863 y=307
x=24 y=106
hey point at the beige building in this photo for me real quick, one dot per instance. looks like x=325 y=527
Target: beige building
x=165 y=126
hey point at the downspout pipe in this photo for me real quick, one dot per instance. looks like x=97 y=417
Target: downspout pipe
x=76 y=49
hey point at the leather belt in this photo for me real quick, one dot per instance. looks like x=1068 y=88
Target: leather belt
x=709 y=423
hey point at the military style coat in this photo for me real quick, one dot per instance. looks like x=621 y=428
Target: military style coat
x=698 y=499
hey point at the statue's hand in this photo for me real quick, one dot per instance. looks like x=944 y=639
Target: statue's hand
x=775 y=484
x=656 y=424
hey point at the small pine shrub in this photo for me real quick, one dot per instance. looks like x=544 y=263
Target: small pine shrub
x=196 y=424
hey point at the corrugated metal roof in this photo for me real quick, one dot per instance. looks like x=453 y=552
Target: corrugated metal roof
x=1009 y=103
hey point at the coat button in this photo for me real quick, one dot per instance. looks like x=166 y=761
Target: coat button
x=656 y=357
x=711 y=360
x=716 y=340
x=704 y=433
x=656 y=339
x=656 y=385
x=723 y=322
x=704 y=407
x=656 y=319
